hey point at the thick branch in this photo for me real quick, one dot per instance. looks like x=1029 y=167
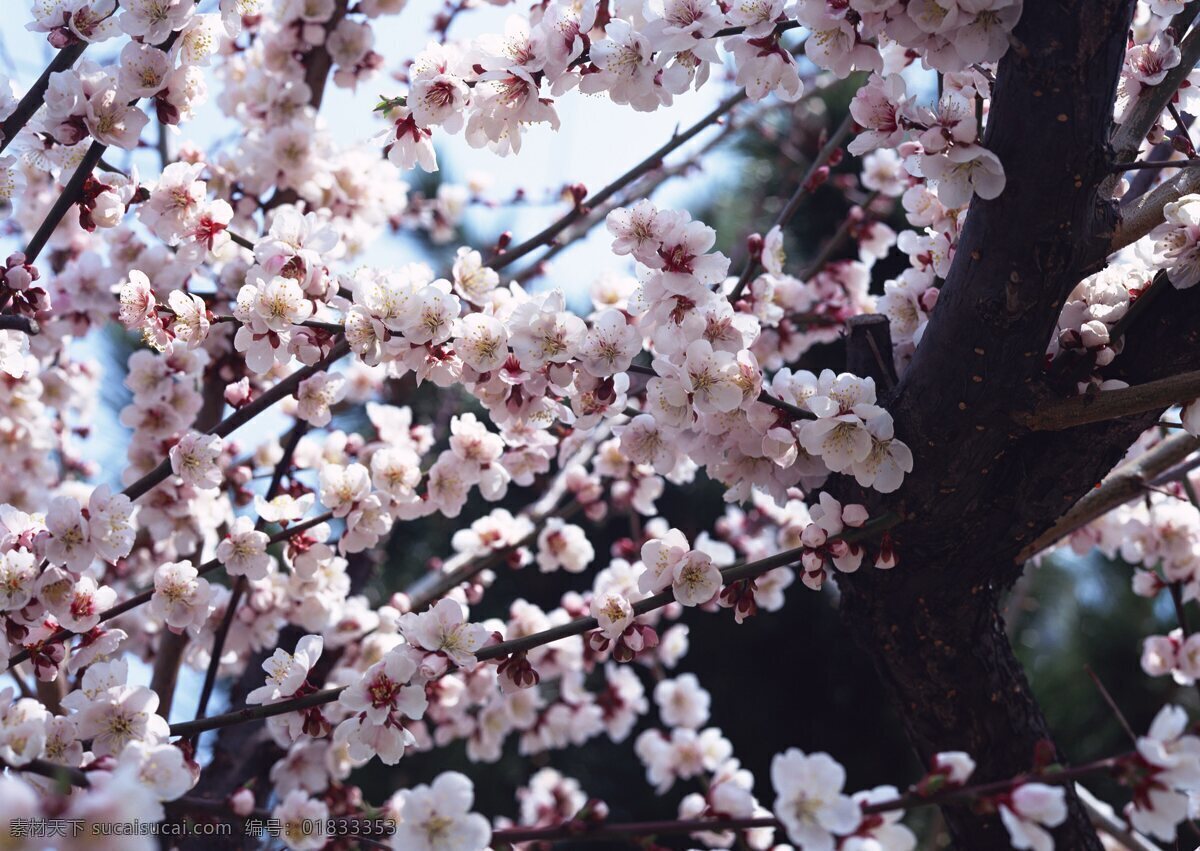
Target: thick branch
x=1146 y=212
x=1061 y=414
x=1153 y=100
x=19 y=323
x=1127 y=482
x=935 y=631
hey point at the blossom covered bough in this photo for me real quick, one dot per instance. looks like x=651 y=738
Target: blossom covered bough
x=238 y=270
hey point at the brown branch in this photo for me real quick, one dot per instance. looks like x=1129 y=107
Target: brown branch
x=835 y=241
x=869 y=349
x=1127 y=482
x=33 y=99
x=1153 y=100
x=643 y=188
x=66 y=199
x=73 y=191
x=1145 y=213
x=583 y=832
x=239 y=586
x=143 y=596
x=429 y=589
x=24 y=324
x=167 y=660
x=1137 y=165
x=1104 y=819
x=1060 y=414
x=44 y=768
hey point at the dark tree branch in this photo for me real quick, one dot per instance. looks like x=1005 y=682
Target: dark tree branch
x=243 y=415
x=33 y=99
x=1127 y=482
x=1060 y=414
x=24 y=324
x=655 y=160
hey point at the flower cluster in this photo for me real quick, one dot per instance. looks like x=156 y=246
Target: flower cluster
x=241 y=269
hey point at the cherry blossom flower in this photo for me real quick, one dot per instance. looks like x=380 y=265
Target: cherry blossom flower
x=682 y=702
x=963 y=171
x=1031 y=808
x=613 y=614
x=316 y=395
x=695 y=579
x=69 y=541
x=287 y=672
x=180 y=598
x=379 y=702
x=191 y=324
x=243 y=551
x=439 y=816
x=119 y=715
x=161 y=768
x=610 y=346
x=1176 y=240
x=443 y=629
x=343 y=486
x=877 y=107
x=18 y=577
x=111 y=120
x=1172 y=758
x=565 y=545
x=809 y=799
x=194 y=459
x=297 y=813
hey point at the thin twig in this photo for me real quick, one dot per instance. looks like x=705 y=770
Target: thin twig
x=832 y=144
x=648 y=164
x=1112 y=704
x=1121 y=168
x=501 y=650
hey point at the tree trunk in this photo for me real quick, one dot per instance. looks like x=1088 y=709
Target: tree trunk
x=953 y=677
x=982 y=486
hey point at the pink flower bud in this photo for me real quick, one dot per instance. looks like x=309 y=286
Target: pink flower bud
x=238 y=393
x=242 y=802
x=854 y=515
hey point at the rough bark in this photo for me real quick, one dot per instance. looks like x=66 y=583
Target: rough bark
x=981 y=485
